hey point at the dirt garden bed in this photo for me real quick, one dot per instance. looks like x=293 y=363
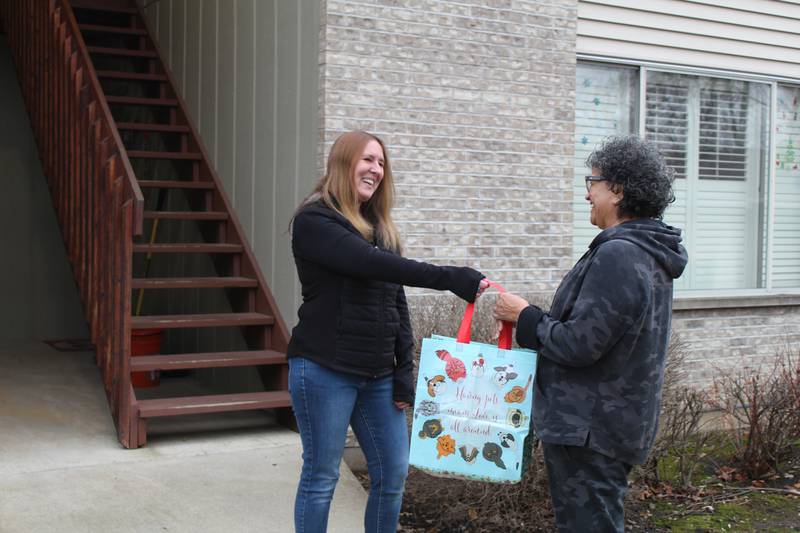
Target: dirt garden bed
x=736 y=472
x=438 y=505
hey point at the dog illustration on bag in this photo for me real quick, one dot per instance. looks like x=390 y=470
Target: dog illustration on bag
x=507 y=440
x=493 y=453
x=436 y=385
x=431 y=429
x=445 y=445
x=517 y=394
x=516 y=418
x=427 y=408
x=503 y=374
x=468 y=453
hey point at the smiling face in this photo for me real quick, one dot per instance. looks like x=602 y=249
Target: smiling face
x=604 y=200
x=368 y=171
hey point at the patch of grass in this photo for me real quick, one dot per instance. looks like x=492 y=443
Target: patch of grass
x=708 y=451
x=669 y=471
x=756 y=511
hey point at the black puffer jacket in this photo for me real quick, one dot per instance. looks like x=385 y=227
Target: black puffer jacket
x=354 y=317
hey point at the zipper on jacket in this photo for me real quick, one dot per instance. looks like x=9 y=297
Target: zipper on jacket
x=382 y=319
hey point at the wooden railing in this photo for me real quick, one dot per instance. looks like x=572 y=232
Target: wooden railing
x=97 y=200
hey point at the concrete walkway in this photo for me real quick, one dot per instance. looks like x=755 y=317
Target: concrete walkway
x=62 y=469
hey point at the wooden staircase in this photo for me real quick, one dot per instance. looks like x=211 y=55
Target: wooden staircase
x=117 y=35
x=198 y=276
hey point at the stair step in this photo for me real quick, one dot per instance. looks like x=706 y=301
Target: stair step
x=190 y=248
x=175 y=184
x=205 y=320
x=100 y=6
x=146 y=154
x=187 y=215
x=137 y=76
x=191 y=405
x=181 y=361
x=194 y=283
x=112 y=29
x=135 y=100
x=127 y=52
x=145 y=126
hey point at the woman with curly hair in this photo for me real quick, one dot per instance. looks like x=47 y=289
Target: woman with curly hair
x=603 y=343
x=351 y=355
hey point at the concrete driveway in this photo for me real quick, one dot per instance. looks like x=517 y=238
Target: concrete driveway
x=62 y=469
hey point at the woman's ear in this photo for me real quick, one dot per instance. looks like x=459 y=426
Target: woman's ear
x=618 y=194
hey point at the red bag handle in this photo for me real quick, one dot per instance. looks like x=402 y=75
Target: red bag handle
x=465 y=329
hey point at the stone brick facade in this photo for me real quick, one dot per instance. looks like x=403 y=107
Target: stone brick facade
x=475 y=100
x=722 y=340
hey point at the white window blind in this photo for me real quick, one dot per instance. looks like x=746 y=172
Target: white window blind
x=711 y=132
x=786 y=241
x=667 y=124
x=723 y=131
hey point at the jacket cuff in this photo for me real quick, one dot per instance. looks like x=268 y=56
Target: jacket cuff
x=403 y=390
x=527 y=324
x=463 y=282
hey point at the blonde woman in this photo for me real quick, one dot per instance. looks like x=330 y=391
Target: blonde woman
x=351 y=354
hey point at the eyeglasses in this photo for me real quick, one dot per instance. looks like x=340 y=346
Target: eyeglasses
x=590 y=179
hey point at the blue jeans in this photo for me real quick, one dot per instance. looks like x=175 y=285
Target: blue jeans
x=325 y=402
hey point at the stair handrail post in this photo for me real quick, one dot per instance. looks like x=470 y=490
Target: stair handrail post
x=127 y=170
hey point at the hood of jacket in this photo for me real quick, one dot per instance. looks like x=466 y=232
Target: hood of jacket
x=661 y=241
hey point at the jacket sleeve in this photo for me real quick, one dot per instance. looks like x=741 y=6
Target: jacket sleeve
x=404 y=354
x=614 y=293
x=322 y=239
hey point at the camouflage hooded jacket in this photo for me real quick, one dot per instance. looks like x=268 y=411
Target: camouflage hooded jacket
x=603 y=344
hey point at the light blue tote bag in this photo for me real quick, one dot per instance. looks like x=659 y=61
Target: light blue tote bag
x=473 y=406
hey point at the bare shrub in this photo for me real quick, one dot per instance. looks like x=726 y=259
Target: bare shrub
x=789 y=374
x=762 y=414
x=675 y=369
x=681 y=443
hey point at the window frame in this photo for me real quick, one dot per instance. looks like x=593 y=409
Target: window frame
x=692 y=298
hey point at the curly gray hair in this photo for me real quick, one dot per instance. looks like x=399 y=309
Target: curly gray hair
x=637 y=167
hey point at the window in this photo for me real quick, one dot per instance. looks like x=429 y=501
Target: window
x=715 y=134
x=606 y=105
x=786 y=244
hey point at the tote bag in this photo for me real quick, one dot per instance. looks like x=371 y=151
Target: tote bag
x=473 y=406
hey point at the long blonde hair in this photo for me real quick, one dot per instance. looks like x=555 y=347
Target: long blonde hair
x=373 y=219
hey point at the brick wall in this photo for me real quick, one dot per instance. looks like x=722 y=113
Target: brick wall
x=723 y=340
x=475 y=100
